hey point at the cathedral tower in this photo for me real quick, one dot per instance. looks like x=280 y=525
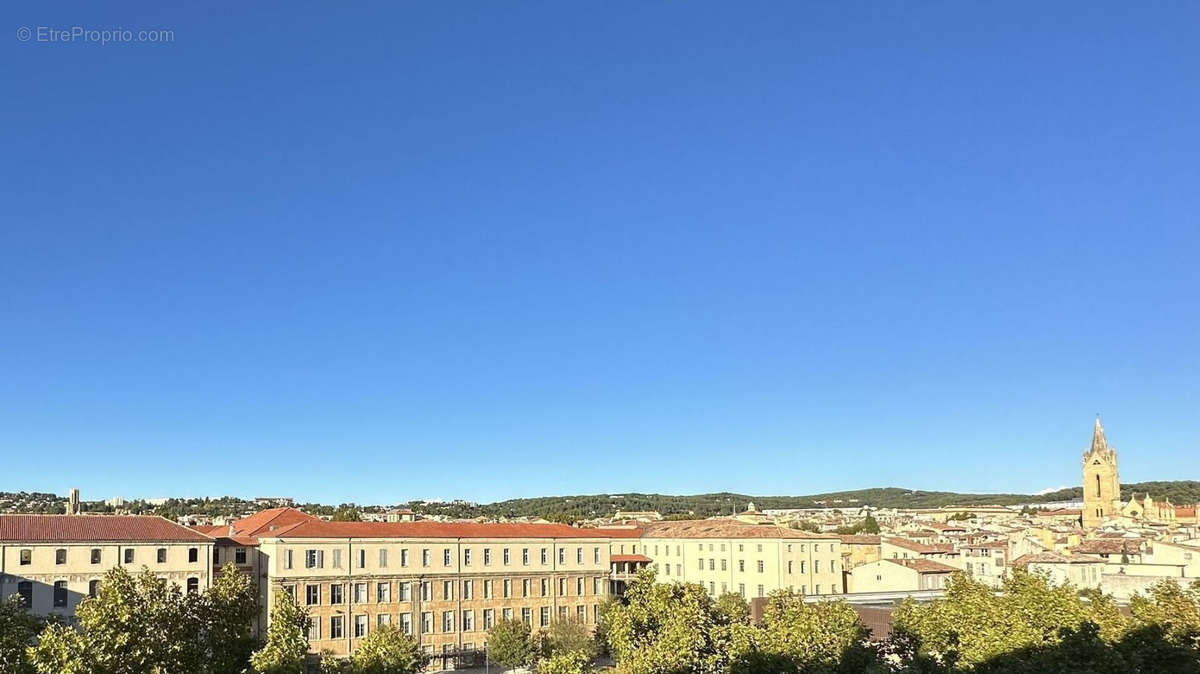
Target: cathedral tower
x=1101 y=486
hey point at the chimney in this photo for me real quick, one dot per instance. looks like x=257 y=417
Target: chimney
x=73 y=501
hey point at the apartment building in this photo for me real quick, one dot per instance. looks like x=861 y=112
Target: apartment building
x=54 y=561
x=900 y=574
x=750 y=559
x=444 y=583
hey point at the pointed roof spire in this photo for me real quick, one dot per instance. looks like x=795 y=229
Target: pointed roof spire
x=1098 y=441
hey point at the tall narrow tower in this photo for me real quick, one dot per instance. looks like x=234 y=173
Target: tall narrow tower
x=1101 y=485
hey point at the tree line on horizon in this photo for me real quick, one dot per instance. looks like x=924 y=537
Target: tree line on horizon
x=570 y=509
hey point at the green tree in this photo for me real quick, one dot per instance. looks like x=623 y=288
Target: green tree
x=229 y=608
x=287 y=644
x=567 y=636
x=510 y=644
x=135 y=625
x=733 y=607
x=869 y=526
x=665 y=628
x=797 y=636
x=388 y=650
x=17 y=632
x=347 y=515
x=567 y=662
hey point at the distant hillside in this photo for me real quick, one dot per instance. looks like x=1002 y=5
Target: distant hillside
x=573 y=508
x=707 y=505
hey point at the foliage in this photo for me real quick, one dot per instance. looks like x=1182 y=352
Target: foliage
x=510 y=644
x=796 y=636
x=809 y=526
x=1172 y=611
x=229 y=608
x=566 y=662
x=567 y=636
x=17 y=632
x=135 y=624
x=961 y=516
x=287 y=644
x=388 y=650
x=867 y=525
x=347 y=515
x=666 y=628
x=733 y=607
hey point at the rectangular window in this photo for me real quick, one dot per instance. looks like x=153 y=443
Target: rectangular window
x=447 y=590
x=525 y=556
x=60 y=556
x=404 y=557
x=312 y=595
x=581 y=613
x=487 y=556
x=468 y=621
x=162 y=555
x=239 y=555
x=760 y=591
x=579 y=555
x=362 y=559
x=310 y=559
x=426 y=590
x=287 y=559
x=724 y=564
x=383 y=592
x=760 y=567
x=545 y=586
x=562 y=555
x=446 y=557
x=193 y=555
x=506 y=614
x=383 y=558
x=95 y=555
x=544 y=616
x=25 y=589
x=596 y=585
x=742 y=590
x=336 y=629
x=129 y=555
x=466 y=556
x=360 y=626
x=60 y=593
x=425 y=557
x=701 y=562
x=335 y=593
x=487 y=589
x=506 y=557
x=579 y=587
x=448 y=621
x=468 y=590
x=193 y=585
x=360 y=593
x=314 y=629
x=712 y=565
x=489 y=618
x=406 y=623
x=525 y=587
x=596 y=555
x=405 y=591
x=527 y=616
x=507 y=587
x=545 y=556
x=383 y=619
x=427 y=623
x=562 y=587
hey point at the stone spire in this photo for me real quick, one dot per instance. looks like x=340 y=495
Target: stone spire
x=1098 y=441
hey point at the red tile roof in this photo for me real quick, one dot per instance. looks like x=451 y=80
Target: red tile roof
x=630 y=558
x=619 y=532
x=1109 y=546
x=726 y=529
x=912 y=545
x=429 y=529
x=861 y=539
x=1053 y=558
x=87 y=528
x=263 y=522
x=924 y=565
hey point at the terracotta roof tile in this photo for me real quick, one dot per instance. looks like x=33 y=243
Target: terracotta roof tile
x=924 y=565
x=726 y=529
x=861 y=539
x=429 y=529
x=630 y=558
x=272 y=519
x=66 y=528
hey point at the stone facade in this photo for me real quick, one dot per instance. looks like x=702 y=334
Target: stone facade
x=1101 y=483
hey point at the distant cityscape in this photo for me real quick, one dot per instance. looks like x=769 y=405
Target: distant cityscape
x=446 y=572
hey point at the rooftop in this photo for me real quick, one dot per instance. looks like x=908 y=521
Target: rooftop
x=88 y=528
x=429 y=529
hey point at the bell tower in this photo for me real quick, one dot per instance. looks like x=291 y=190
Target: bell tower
x=1101 y=485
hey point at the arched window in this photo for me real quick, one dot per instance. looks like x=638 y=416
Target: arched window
x=193 y=585
x=1097 y=485
x=93 y=588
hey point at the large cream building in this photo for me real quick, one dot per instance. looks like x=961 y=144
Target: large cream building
x=444 y=583
x=54 y=561
x=749 y=559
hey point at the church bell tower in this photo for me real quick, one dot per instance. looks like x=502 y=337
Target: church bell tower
x=1101 y=485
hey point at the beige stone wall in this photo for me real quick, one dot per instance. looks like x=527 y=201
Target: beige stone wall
x=884 y=576
x=569 y=582
x=78 y=570
x=742 y=565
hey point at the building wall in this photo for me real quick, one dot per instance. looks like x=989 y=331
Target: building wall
x=78 y=571
x=571 y=582
x=1079 y=575
x=753 y=567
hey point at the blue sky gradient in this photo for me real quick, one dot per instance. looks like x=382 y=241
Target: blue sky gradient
x=487 y=250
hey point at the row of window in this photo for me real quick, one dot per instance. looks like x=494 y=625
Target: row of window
x=25 y=556
x=383 y=590
x=451 y=621
x=741 y=547
x=762 y=590
x=61 y=598
x=315 y=559
x=239 y=556
x=760 y=566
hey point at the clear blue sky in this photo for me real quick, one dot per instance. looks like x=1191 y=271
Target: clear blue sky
x=497 y=249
